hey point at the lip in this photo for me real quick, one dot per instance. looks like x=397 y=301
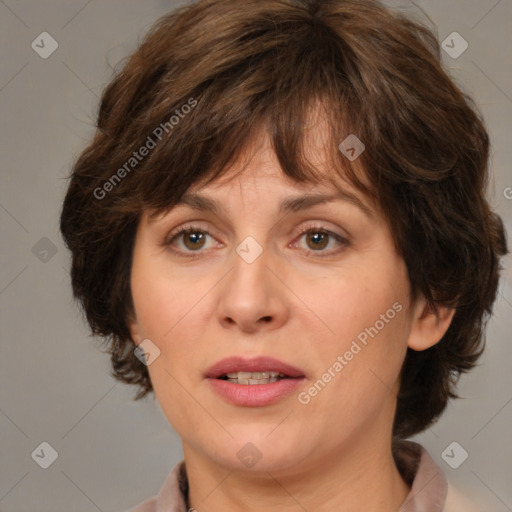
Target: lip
x=254 y=395
x=257 y=364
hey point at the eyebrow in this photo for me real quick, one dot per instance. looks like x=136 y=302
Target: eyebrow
x=295 y=204
x=290 y=204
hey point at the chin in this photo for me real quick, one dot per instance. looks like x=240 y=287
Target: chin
x=255 y=450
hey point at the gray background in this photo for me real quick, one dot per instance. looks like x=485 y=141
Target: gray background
x=54 y=380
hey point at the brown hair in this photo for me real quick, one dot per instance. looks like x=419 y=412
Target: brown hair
x=192 y=94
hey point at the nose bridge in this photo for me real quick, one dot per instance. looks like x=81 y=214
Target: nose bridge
x=249 y=296
x=249 y=277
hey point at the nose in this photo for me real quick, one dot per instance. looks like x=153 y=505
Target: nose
x=252 y=297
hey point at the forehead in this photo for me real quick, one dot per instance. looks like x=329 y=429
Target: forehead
x=257 y=162
x=268 y=187
x=256 y=169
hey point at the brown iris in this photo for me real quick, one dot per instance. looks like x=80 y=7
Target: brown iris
x=319 y=239
x=194 y=238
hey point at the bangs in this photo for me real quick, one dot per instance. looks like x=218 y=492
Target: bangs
x=308 y=153
x=289 y=88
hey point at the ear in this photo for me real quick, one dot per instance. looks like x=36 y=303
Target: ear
x=134 y=330
x=430 y=323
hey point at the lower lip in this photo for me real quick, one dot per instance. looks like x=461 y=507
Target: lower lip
x=255 y=395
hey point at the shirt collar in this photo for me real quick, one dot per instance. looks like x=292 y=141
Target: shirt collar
x=428 y=483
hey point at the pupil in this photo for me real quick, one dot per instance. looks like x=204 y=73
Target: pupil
x=319 y=237
x=192 y=239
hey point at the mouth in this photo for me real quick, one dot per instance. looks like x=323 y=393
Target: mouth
x=257 y=382
x=254 y=378
x=257 y=371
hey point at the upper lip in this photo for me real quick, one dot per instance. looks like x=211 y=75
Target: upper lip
x=258 y=364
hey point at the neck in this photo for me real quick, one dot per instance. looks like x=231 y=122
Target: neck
x=362 y=478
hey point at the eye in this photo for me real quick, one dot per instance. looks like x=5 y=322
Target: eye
x=317 y=238
x=188 y=239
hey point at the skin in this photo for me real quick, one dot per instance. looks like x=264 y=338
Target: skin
x=333 y=453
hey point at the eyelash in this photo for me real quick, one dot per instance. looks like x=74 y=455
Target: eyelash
x=188 y=229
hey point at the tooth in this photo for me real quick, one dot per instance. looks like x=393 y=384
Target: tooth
x=254 y=378
x=259 y=375
x=259 y=381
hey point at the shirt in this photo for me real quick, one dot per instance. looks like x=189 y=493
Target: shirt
x=430 y=491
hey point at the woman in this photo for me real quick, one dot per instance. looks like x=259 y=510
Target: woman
x=281 y=229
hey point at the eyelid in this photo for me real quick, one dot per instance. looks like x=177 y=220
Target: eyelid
x=322 y=226
x=311 y=226
x=319 y=226
x=186 y=226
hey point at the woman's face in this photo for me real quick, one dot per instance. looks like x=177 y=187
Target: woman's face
x=318 y=287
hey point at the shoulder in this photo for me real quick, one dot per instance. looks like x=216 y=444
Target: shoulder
x=172 y=496
x=148 y=505
x=456 y=501
x=430 y=489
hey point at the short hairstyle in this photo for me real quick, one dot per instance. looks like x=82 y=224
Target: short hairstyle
x=186 y=103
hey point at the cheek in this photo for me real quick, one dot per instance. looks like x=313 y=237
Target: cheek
x=173 y=308
x=167 y=310
x=357 y=370
x=163 y=300
x=355 y=301
x=364 y=321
